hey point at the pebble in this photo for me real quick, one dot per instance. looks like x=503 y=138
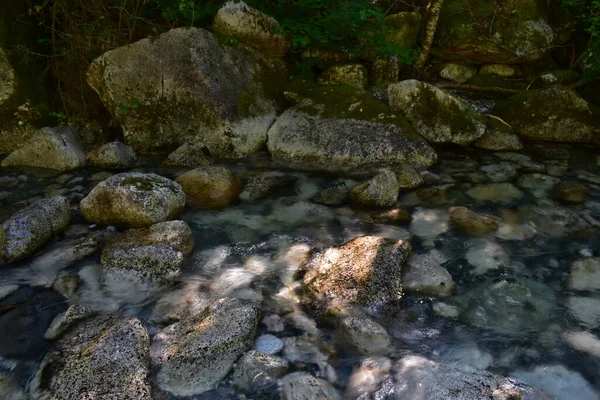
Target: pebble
x=268 y=344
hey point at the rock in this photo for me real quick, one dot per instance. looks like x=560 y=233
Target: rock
x=54 y=148
x=348 y=74
x=471 y=222
x=7 y=290
x=367 y=378
x=457 y=72
x=256 y=369
x=424 y=276
x=429 y=223
x=584 y=342
x=153 y=253
x=194 y=355
x=419 y=378
x=9 y=385
x=366 y=336
x=252 y=27
x=191 y=155
x=503 y=172
x=497 y=192
x=66 y=320
x=553 y=114
x=8 y=85
x=133 y=200
x=29 y=229
x=379 y=191
x=586 y=310
x=341 y=128
x=408 y=177
x=395 y=216
x=436 y=114
x=585 y=274
x=512 y=307
x=265 y=184
x=104 y=357
x=365 y=270
x=429 y=196
x=403 y=29
x=514 y=231
x=335 y=194
x=537 y=182
x=485 y=255
x=114 y=155
x=559 y=221
x=501 y=70
x=302 y=349
x=558 y=381
x=384 y=70
x=498 y=136
x=268 y=344
x=67 y=285
x=183 y=86
x=303 y=386
x=209 y=187
x=273 y=323
x=525 y=37
x=446 y=310
x=570 y=192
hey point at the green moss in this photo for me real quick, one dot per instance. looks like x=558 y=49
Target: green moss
x=243 y=104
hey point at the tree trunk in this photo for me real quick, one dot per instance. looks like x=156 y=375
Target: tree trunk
x=433 y=14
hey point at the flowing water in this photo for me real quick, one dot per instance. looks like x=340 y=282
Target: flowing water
x=254 y=250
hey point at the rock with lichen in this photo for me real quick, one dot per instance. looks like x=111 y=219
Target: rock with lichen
x=113 y=155
x=346 y=74
x=209 y=187
x=379 y=191
x=498 y=136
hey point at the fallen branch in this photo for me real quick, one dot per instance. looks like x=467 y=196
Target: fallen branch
x=494 y=89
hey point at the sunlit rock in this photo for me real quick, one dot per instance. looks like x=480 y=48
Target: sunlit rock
x=424 y=276
x=429 y=223
x=485 y=255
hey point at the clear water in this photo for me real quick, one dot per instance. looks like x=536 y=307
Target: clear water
x=239 y=251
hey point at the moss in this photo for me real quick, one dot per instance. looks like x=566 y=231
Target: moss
x=243 y=104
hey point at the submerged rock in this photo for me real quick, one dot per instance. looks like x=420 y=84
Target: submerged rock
x=114 y=155
x=559 y=221
x=57 y=148
x=66 y=320
x=104 y=357
x=497 y=192
x=302 y=385
x=29 y=229
x=436 y=114
x=503 y=172
x=471 y=222
x=261 y=186
x=194 y=355
x=366 y=379
x=365 y=270
x=559 y=382
x=570 y=192
x=9 y=385
x=429 y=223
x=485 y=255
x=424 y=276
x=585 y=274
x=366 y=336
x=379 y=191
x=335 y=194
x=256 y=369
x=586 y=310
x=133 y=200
x=209 y=187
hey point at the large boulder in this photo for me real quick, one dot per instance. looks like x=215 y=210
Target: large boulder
x=133 y=200
x=554 y=114
x=57 y=148
x=209 y=187
x=153 y=253
x=104 y=357
x=252 y=27
x=194 y=355
x=365 y=271
x=435 y=113
x=184 y=86
x=343 y=128
x=28 y=230
x=113 y=155
x=516 y=31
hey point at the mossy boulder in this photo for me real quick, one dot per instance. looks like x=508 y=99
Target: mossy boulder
x=133 y=200
x=347 y=74
x=252 y=27
x=552 y=114
x=498 y=136
x=435 y=113
x=343 y=128
x=185 y=86
x=384 y=70
x=114 y=155
x=403 y=27
x=379 y=191
x=190 y=154
x=209 y=187
x=488 y=31
x=457 y=72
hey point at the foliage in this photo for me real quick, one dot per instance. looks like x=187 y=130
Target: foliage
x=589 y=19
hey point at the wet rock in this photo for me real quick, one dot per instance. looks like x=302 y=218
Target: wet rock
x=446 y=310
x=424 y=276
x=57 y=148
x=209 y=187
x=419 y=378
x=379 y=191
x=559 y=382
x=396 y=216
x=553 y=114
x=62 y=322
x=184 y=86
x=252 y=27
x=471 y=222
x=570 y=192
x=515 y=231
x=348 y=74
x=585 y=274
x=133 y=200
x=104 y=357
x=335 y=194
x=583 y=341
x=366 y=336
x=191 y=155
x=114 y=155
x=194 y=355
x=256 y=369
x=365 y=380
x=436 y=114
x=485 y=255
x=586 y=310
x=467 y=354
x=10 y=388
x=496 y=192
x=29 y=229
x=429 y=223
x=457 y=72
x=537 y=182
x=273 y=323
x=302 y=349
x=268 y=344
x=302 y=385
x=498 y=136
x=511 y=307
x=559 y=221
x=365 y=270
x=265 y=184
x=67 y=285
x=408 y=177
x=7 y=290
x=429 y=196
x=152 y=254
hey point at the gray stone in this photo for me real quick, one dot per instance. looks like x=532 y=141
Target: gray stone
x=348 y=74
x=408 y=177
x=29 y=229
x=366 y=336
x=457 y=72
x=585 y=274
x=189 y=154
x=7 y=290
x=436 y=114
x=268 y=344
x=503 y=172
x=498 y=136
x=485 y=255
x=302 y=349
x=424 y=276
x=586 y=310
x=471 y=222
x=113 y=155
x=429 y=223
x=265 y=184
x=256 y=369
x=57 y=148
x=9 y=385
x=273 y=323
x=62 y=322
x=194 y=355
x=304 y=386
x=104 y=357
x=537 y=182
x=209 y=187
x=559 y=221
x=496 y=192
x=133 y=200
x=379 y=191
x=335 y=194
x=366 y=379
